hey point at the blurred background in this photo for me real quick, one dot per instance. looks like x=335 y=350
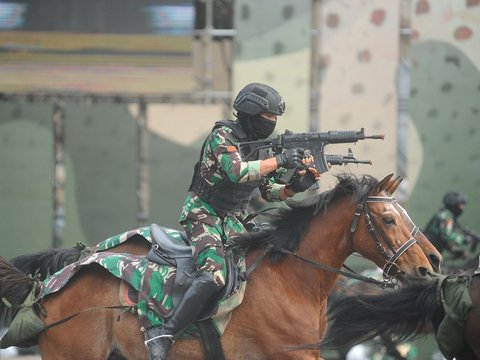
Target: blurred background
x=104 y=104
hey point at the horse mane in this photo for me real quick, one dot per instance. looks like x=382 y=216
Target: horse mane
x=47 y=262
x=402 y=314
x=289 y=222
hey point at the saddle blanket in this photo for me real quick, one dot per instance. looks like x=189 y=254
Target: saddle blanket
x=153 y=283
x=226 y=306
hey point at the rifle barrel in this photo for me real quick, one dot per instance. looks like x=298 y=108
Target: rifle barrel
x=381 y=136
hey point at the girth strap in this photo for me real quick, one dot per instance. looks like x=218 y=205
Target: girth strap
x=124 y=308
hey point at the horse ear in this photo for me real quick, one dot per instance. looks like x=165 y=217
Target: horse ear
x=394 y=185
x=382 y=184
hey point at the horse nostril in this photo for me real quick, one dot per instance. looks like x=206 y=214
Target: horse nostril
x=435 y=261
x=422 y=271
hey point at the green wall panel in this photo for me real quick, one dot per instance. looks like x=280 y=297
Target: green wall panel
x=445 y=109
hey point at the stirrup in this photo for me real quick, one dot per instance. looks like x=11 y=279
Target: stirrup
x=169 y=337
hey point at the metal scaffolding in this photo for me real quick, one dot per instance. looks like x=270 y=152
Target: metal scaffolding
x=204 y=95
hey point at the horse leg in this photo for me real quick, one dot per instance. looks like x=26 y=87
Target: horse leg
x=87 y=336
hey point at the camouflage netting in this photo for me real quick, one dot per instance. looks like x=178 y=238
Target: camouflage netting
x=153 y=282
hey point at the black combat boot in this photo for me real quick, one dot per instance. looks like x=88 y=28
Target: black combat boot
x=158 y=343
x=196 y=298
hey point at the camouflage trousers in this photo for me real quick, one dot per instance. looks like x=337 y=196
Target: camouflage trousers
x=208 y=234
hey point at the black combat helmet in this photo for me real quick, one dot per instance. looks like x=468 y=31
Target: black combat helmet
x=452 y=201
x=256 y=98
x=454 y=198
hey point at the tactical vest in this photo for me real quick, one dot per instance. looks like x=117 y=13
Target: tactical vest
x=225 y=196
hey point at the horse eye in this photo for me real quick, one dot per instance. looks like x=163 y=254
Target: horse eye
x=389 y=221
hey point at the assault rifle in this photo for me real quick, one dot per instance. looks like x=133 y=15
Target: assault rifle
x=314 y=142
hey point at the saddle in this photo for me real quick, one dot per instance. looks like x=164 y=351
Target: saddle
x=170 y=252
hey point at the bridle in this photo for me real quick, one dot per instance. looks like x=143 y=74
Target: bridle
x=391 y=255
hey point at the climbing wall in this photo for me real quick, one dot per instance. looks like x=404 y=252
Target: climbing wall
x=273 y=46
x=359 y=48
x=445 y=109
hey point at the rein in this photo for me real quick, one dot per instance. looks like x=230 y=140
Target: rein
x=351 y=274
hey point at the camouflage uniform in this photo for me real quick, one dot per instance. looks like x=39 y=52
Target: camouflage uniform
x=207 y=228
x=445 y=234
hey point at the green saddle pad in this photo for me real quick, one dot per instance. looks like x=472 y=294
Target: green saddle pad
x=154 y=284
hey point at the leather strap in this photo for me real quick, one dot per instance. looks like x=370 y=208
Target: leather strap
x=211 y=340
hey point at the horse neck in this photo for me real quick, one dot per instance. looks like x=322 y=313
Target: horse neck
x=327 y=242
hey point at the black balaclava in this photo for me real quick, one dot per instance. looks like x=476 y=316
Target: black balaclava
x=256 y=126
x=456 y=210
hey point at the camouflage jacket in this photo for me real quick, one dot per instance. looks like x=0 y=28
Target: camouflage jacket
x=444 y=232
x=220 y=159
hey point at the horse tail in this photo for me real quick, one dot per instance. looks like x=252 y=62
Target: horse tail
x=403 y=314
x=14 y=288
x=46 y=262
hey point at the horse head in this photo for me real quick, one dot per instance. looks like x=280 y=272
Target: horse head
x=388 y=236
x=428 y=248
x=358 y=215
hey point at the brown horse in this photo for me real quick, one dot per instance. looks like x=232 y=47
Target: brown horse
x=448 y=306
x=284 y=306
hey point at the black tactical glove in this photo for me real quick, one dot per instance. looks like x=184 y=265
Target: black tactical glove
x=300 y=183
x=290 y=159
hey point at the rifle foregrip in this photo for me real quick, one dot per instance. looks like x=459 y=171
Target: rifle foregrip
x=343 y=136
x=334 y=159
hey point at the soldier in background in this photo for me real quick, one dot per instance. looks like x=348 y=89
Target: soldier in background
x=454 y=241
x=218 y=197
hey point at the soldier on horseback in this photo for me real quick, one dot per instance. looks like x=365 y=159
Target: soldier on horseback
x=218 y=196
x=446 y=233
